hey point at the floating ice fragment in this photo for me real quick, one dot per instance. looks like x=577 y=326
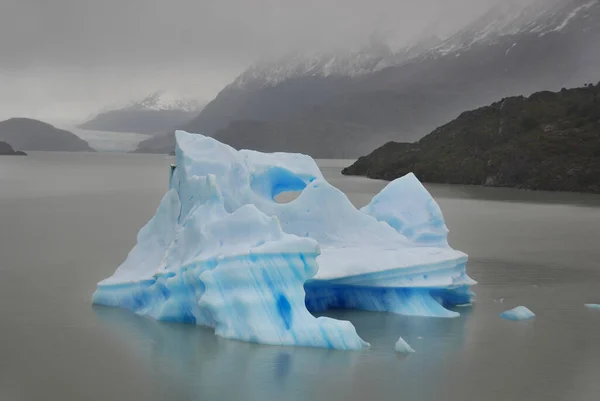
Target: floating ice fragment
x=593 y=306
x=402 y=346
x=518 y=313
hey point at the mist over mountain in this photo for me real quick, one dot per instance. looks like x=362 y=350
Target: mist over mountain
x=158 y=112
x=404 y=94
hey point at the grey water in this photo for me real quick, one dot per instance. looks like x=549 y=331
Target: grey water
x=68 y=220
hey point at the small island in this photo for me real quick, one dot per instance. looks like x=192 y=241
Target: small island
x=7 y=150
x=547 y=141
x=28 y=134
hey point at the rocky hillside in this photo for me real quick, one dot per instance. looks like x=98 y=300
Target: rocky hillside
x=28 y=134
x=156 y=113
x=547 y=141
x=7 y=150
x=405 y=94
x=328 y=140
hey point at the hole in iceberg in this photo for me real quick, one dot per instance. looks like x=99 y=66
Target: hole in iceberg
x=279 y=184
x=286 y=197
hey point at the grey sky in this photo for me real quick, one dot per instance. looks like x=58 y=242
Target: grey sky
x=67 y=58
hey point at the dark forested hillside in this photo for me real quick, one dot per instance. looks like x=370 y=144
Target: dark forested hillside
x=548 y=141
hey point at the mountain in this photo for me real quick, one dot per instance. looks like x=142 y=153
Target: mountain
x=7 y=150
x=157 y=112
x=548 y=141
x=515 y=48
x=327 y=140
x=28 y=134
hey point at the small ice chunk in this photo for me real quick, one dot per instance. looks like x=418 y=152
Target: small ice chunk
x=402 y=346
x=593 y=306
x=518 y=313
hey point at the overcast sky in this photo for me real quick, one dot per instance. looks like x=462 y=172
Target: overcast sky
x=65 y=59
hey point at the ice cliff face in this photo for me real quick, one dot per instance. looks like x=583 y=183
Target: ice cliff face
x=221 y=252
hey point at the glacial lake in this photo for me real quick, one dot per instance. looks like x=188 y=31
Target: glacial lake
x=67 y=220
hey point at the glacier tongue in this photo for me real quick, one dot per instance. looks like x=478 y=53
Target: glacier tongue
x=221 y=252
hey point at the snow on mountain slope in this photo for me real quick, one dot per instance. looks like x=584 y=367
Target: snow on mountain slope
x=374 y=56
x=514 y=18
x=157 y=112
x=578 y=11
x=163 y=100
x=511 y=17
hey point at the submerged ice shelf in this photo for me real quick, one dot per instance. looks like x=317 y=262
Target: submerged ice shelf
x=221 y=252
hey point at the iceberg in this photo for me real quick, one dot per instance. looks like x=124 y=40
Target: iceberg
x=593 y=306
x=518 y=313
x=220 y=251
x=402 y=346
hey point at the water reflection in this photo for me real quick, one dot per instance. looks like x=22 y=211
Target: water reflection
x=198 y=362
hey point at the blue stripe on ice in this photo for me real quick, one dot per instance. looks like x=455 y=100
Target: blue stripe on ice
x=275 y=180
x=285 y=310
x=405 y=301
x=220 y=252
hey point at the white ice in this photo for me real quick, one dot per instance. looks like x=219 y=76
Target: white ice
x=518 y=313
x=402 y=346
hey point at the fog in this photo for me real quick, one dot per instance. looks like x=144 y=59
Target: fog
x=65 y=59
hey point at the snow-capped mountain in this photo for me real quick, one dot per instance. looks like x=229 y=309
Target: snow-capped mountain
x=513 y=18
x=374 y=56
x=157 y=112
x=163 y=100
x=510 y=18
x=366 y=97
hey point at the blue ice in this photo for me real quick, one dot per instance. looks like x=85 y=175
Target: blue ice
x=220 y=251
x=593 y=306
x=518 y=313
